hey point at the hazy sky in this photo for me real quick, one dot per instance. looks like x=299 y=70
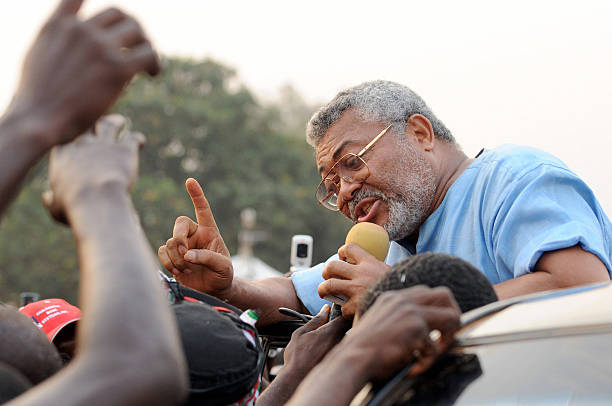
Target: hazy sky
x=523 y=72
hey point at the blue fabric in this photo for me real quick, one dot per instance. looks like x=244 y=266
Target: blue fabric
x=508 y=207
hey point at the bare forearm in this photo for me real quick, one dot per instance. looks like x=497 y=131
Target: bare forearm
x=19 y=151
x=266 y=296
x=281 y=389
x=556 y=270
x=112 y=248
x=523 y=285
x=335 y=381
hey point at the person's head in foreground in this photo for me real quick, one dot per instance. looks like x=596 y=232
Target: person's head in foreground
x=370 y=183
x=469 y=286
x=224 y=364
x=26 y=348
x=58 y=320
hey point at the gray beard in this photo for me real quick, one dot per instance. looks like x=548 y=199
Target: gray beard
x=407 y=209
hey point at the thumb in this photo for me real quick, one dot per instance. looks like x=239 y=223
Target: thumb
x=67 y=7
x=216 y=262
x=317 y=321
x=53 y=208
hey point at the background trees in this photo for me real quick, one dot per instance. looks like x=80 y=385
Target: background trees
x=200 y=122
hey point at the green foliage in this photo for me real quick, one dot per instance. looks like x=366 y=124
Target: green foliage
x=200 y=122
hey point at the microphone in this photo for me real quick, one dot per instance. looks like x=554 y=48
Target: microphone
x=373 y=239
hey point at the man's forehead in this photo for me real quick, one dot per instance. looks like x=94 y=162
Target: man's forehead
x=348 y=130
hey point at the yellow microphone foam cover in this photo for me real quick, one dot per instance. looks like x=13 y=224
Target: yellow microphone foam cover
x=371 y=237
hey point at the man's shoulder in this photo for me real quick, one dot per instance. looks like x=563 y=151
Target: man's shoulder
x=513 y=161
x=519 y=156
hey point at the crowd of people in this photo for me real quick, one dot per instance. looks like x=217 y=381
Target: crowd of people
x=465 y=232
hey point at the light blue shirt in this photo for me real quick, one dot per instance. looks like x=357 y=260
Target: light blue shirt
x=508 y=207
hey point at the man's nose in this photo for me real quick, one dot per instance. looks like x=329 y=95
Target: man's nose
x=348 y=188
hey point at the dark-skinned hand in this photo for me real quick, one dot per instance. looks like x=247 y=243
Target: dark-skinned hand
x=76 y=69
x=96 y=162
x=396 y=330
x=196 y=254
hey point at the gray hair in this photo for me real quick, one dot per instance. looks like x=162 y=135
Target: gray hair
x=375 y=101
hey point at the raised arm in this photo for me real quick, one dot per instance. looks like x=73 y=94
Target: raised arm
x=129 y=352
x=72 y=74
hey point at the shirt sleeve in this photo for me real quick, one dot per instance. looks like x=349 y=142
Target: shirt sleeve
x=306 y=284
x=545 y=209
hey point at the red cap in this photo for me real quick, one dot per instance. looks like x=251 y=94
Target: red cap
x=51 y=315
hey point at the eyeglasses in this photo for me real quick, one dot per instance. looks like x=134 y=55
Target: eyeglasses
x=350 y=168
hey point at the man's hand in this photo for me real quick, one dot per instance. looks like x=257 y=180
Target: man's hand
x=76 y=69
x=196 y=254
x=311 y=342
x=396 y=330
x=351 y=277
x=308 y=345
x=93 y=163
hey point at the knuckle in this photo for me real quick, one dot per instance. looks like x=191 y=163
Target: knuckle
x=326 y=274
x=442 y=291
x=388 y=296
x=323 y=288
x=182 y=219
x=116 y=12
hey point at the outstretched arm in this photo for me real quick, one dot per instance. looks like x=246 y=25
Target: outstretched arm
x=72 y=74
x=197 y=256
x=129 y=352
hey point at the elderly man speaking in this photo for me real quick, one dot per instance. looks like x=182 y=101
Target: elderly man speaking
x=516 y=213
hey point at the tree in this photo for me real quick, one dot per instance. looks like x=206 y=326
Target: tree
x=200 y=122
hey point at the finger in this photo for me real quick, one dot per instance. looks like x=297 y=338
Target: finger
x=127 y=33
x=142 y=58
x=201 y=206
x=446 y=320
x=108 y=17
x=218 y=263
x=354 y=254
x=172 y=248
x=440 y=296
x=162 y=254
x=67 y=7
x=338 y=270
x=133 y=138
x=337 y=327
x=52 y=207
x=335 y=287
x=184 y=227
x=424 y=357
x=317 y=321
x=109 y=127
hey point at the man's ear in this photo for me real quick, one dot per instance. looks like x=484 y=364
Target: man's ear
x=422 y=130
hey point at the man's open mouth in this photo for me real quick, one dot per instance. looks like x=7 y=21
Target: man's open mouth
x=366 y=209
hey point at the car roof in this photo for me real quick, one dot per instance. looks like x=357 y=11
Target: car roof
x=562 y=312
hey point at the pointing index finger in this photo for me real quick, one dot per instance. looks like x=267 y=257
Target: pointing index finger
x=202 y=209
x=67 y=7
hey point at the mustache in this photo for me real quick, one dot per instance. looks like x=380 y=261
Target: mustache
x=362 y=194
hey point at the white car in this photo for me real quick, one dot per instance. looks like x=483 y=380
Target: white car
x=550 y=348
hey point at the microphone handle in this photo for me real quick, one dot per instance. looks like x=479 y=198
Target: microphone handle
x=335 y=312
